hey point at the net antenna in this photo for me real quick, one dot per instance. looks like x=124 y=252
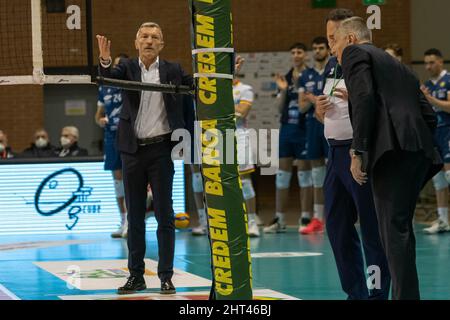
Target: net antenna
x=37 y=75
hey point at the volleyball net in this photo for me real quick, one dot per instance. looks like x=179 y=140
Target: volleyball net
x=45 y=42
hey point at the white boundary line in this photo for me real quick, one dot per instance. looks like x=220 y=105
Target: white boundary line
x=9 y=293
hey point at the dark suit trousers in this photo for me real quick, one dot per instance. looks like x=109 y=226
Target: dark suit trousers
x=397 y=179
x=150 y=164
x=344 y=201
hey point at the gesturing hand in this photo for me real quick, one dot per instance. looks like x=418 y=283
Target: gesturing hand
x=311 y=98
x=238 y=64
x=323 y=104
x=341 y=93
x=102 y=122
x=104 y=47
x=426 y=92
x=281 y=82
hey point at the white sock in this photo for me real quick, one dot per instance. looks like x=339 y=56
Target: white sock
x=202 y=217
x=306 y=215
x=318 y=211
x=280 y=217
x=443 y=214
x=252 y=217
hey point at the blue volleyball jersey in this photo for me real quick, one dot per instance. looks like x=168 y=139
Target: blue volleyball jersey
x=291 y=110
x=440 y=90
x=311 y=81
x=111 y=99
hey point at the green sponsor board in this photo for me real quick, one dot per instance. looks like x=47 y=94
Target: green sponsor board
x=323 y=3
x=373 y=2
x=230 y=246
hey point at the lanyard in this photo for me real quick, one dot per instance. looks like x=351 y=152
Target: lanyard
x=335 y=84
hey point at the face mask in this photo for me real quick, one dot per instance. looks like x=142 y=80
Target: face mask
x=2 y=147
x=65 y=142
x=41 y=143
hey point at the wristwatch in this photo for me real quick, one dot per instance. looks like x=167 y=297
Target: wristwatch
x=355 y=153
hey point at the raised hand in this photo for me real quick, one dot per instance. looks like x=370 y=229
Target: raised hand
x=238 y=64
x=281 y=82
x=104 y=47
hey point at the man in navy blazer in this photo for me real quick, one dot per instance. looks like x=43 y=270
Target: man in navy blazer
x=147 y=121
x=393 y=128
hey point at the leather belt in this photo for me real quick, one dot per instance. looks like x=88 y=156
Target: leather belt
x=339 y=143
x=153 y=140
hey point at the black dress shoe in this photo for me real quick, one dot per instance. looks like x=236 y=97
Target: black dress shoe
x=133 y=285
x=167 y=287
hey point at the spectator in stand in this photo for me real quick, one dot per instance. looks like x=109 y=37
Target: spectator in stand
x=69 y=144
x=41 y=147
x=5 y=150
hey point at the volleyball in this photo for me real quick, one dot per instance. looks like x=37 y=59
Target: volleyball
x=182 y=220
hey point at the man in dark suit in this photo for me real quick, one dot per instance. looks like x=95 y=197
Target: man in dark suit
x=146 y=122
x=393 y=128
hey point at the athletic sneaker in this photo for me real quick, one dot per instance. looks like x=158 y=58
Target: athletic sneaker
x=119 y=233
x=125 y=231
x=438 y=226
x=304 y=224
x=275 y=227
x=316 y=226
x=199 y=231
x=253 y=230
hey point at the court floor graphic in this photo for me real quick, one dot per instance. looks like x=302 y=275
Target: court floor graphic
x=285 y=266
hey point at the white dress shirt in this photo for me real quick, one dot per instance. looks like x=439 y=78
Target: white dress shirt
x=152 y=119
x=337 y=119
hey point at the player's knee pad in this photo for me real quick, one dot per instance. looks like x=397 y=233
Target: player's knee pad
x=119 y=188
x=197 y=182
x=439 y=181
x=247 y=189
x=318 y=177
x=447 y=176
x=305 y=179
x=283 y=180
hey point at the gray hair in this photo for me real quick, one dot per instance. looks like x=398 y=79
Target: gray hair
x=358 y=27
x=73 y=131
x=149 y=25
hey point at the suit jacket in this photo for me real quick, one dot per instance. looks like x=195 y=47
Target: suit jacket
x=388 y=110
x=179 y=113
x=35 y=152
x=74 y=151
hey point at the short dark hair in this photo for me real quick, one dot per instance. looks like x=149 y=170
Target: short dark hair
x=340 y=14
x=434 y=52
x=300 y=46
x=321 y=40
x=394 y=47
x=122 y=56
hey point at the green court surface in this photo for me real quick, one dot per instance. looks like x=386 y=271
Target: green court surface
x=90 y=266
